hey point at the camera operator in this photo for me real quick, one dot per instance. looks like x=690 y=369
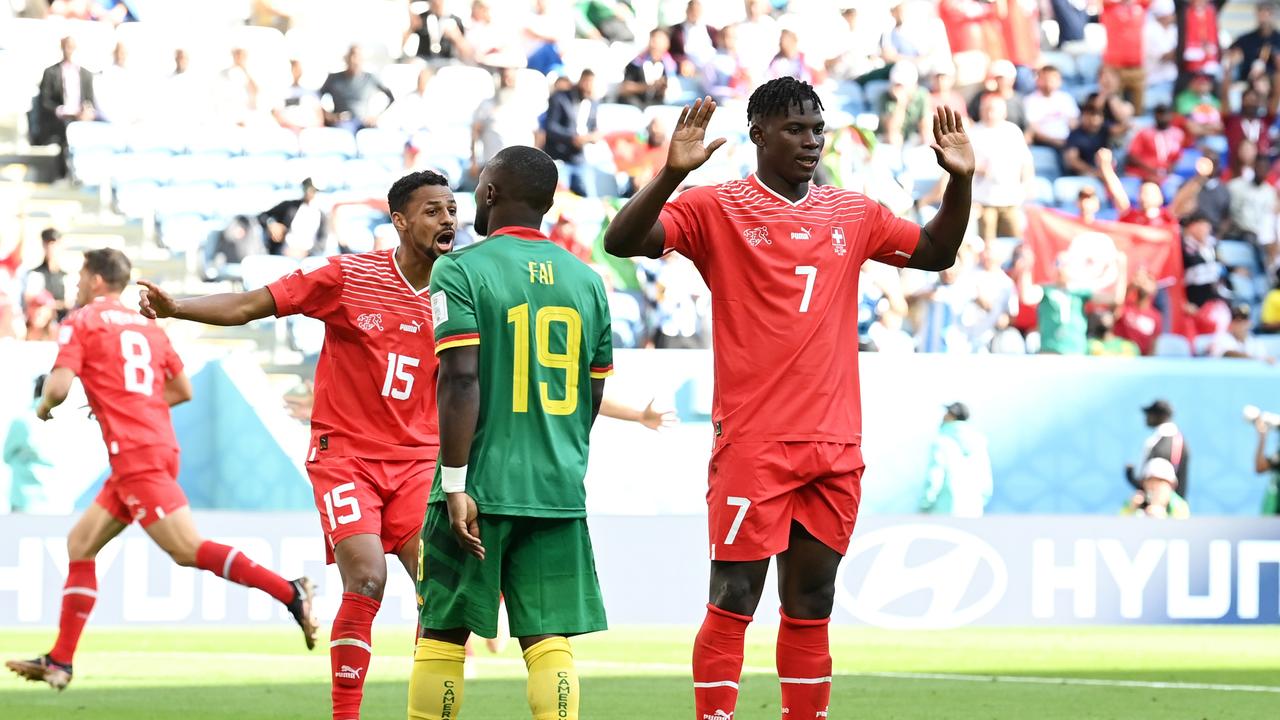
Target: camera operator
x=1158 y=497
x=1166 y=442
x=1262 y=463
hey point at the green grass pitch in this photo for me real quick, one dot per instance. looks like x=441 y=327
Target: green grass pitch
x=1191 y=672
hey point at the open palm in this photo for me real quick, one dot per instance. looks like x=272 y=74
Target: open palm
x=951 y=143
x=689 y=148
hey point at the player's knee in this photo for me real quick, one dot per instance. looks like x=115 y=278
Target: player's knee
x=811 y=603
x=183 y=554
x=79 y=547
x=368 y=580
x=736 y=593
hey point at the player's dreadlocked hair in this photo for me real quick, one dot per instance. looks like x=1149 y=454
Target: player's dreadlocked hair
x=778 y=96
x=399 y=193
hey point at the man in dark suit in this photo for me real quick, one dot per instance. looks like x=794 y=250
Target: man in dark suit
x=570 y=127
x=66 y=95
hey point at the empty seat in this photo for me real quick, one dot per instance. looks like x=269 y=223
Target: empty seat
x=271 y=141
x=1170 y=345
x=380 y=143
x=327 y=142
x=217 y=142
x=1067 y=188
x=95 y=137
x=1237 y=253
x=1042 y=189
x=1046 y=161
x=157 y=140
x=456 y=91
x=1202 y=343
x=269 y=170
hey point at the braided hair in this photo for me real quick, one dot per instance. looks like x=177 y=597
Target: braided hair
x=778 y=96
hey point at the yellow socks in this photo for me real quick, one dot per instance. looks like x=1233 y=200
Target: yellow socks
x=553 y=682
x=435 y=687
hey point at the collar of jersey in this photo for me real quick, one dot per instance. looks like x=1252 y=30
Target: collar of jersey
x=522 y=233
x=770 y=192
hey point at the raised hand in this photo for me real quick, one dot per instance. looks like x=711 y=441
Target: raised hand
x=154 y=302
x=689 y=149
x=950 y=143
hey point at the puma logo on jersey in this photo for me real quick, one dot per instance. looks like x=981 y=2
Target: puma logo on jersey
x=411 y=326
x=803 y=234
x=718 y=715
x=838 y=242
x=349 y=673
x=369 y=321
x=755 y=236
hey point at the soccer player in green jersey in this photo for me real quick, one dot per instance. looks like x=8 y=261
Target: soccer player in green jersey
x=523 y=338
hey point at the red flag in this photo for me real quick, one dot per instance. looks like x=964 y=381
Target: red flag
x=1051 y=233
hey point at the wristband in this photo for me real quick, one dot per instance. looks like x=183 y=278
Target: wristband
x=453 y=479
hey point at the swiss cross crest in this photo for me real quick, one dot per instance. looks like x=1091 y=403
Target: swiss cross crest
x=755 y=236
x=369 y=321
x=838 y=242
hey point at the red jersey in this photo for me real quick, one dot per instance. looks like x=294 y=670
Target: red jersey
x=123 y=360
x=376 y=377
x=1200 y=38
x=1123 y=22
x=1158 y=149
x=784 y=302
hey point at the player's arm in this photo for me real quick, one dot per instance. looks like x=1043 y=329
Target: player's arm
x=56 y=387
x=940 y=239
x=636 y=229
x=646 y=416
x=177 y=389
x=220 y=309
x=597 y=398
x=458 y=400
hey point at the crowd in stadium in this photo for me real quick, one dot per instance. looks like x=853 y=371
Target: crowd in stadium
x=1141 y=112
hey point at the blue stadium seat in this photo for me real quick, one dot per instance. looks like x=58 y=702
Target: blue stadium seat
x=1108 y=213
x=1237 y=253
x=1170 y=345
x=1043 y=190
x=271 y=141
x=154 y=169
x=1047 y=162
x=327 y=142
x=95 y=137
x=1186 y=165
x=156 y=140
x=1202 y=343
x=1087 y=66
x=873 y=92
x=202 y=170
x=1216 y=144
x=217 y=142
x=1270 y=343
x=1171 y=185
x=257 y=170
x=1132 y=185
x=381 y=143
x=455 y=91
x=1066 y=64
x=1067 y=188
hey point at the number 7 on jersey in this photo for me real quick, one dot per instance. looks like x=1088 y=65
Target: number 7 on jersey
x=810 y=274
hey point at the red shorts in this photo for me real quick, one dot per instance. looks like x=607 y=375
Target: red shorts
x=143 y=485
x=756 y=489
x=387 y=498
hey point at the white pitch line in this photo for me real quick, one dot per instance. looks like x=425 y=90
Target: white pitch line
x=684 y=669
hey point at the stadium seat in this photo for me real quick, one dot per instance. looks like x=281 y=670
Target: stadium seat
x=1200 y=345
x=874 y=91
x=155 y=169
x=1043 y=190
x=1065 y=63
x=327 y=142
x=327 y=172
x=1046 y=161
x=156 y=140
x=1067 y=188
x=1271 y=344
x=1158 y=95
x=216 y=142
x=1087 y=66
x=1215 y=144
x=455 y=91
x=668 y=115
x=1132 y=185
x=401 y=78
x=381 y=143
x=258 y=169
x=271 y=141
x=1171 y=185
x=188 y=170
x=1170 y=345
x=95 y=137
x=616 y=117
x=1108 y=213
x=1238 y=253
x=138 y=199
x=260 y=270
x=1186 y=165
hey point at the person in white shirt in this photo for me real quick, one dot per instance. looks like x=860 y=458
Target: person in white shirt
x=1003 y=173
x=299 y=106
x=757 y=38
x=501 y=121
x=1160 y=44
x=1253 y=206
x=118 y=90
x=238 y=92
x=1051 y=112
x=1237 y=341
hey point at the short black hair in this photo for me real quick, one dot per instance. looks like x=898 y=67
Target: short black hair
x=111 y=265
x=49 y=235
x=400 y=191
x=778 y=96
x=40 y=385
x=532 y=173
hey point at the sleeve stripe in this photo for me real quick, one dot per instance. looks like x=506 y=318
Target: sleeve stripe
x=600 y=373
x=459 y=340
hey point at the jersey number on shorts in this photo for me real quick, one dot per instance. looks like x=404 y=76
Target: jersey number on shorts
x=810 y=274
x=742 y=504
x=333 y=499
x=566 y=361
x=139 y=377
x=397 y=370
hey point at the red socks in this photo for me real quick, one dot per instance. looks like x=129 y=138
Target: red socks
x=804 y=668
x=233 y=565
x=349 y=651
x=78 y=597
x=717 y=663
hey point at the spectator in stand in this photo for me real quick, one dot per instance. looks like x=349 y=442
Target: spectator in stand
x=1051 y=112
x=1117 y=112
x=1236 y=341
x=565 y=234
x=945 y=94
x=1253 y=209
x=545 y=28
x=1200 y=49
x=791 y=62
x=907 y=41
x=49 y=275
x=606 y=20
x=947 y=322
x=1061 y=305
x=1155 y=150
x=904 y=109
x=118 y=90
x=1103 y=340
x=1157 y=496
x=1254 y=121
x=238 y=91
x=1205 y=192
x=727 y=75
x=1202 y=273
x=185 y=97
x=501 y=121
x=1138 y=320
x=570 y=128
x=42 y=319
x=296 y=228
x=1200 y=107
x=886 y=332
x=1080 y=151
x=351 y=92
x=114 y=13
x=1254 y=53
x=693 y=42
x=757 y=37
x=413 y=111
x=299 y=107
x=1270 y=320
x=646 y=78
x=1004 y=171
x=441 y=35
x=641 y=155
x=1160 y=45
x=488 y=41
x=1000 y=80
x=1151 y=210
x=857 y=46
x=66 y=95
x=993 y=298
x=1124 y=21
x=681 y=298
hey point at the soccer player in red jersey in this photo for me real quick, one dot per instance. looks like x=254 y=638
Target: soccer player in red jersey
x=374 y=430
x=132 y=377
x=781 y=257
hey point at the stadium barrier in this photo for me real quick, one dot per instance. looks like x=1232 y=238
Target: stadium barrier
x=901 y=572
x=1060 y=430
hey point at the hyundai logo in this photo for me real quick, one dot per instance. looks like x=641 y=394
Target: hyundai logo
x=923 y=577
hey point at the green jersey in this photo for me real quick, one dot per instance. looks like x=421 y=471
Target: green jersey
x=541 y=319
x=1063 y=327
